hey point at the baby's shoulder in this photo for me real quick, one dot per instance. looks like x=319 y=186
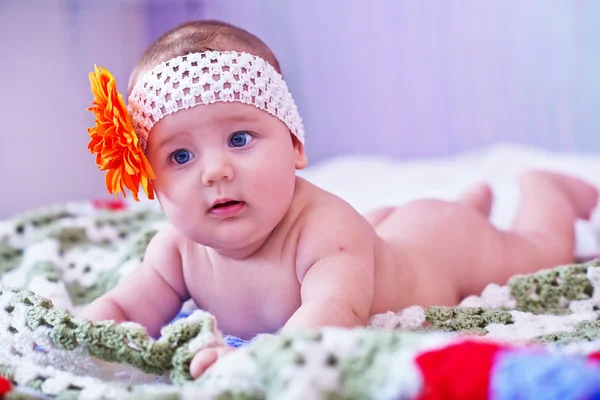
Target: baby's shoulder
x=167 y=243
x=321 y=206
x=327 y=217
x=166 y=235
x=329 y=226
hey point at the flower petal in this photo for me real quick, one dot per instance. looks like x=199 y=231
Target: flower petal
x=117 y=147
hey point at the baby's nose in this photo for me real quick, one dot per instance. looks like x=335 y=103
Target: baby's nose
x=218 y=169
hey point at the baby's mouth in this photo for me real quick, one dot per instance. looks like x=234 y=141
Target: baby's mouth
x=226 y=208
x=228 y=203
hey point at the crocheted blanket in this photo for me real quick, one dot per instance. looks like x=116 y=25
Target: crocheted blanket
x=537 y=337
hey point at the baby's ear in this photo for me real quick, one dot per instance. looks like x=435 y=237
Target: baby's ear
x=299 y=153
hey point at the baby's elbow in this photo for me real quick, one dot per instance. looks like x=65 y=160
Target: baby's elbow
x=357 y=312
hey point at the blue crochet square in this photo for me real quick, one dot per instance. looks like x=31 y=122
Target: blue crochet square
x=529 y=375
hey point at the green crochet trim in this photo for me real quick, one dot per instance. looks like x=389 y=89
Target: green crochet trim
x=111 y=342
x=360 y=371
x=475 y=319
x=549 y=291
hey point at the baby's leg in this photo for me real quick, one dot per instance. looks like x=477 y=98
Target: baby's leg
x=479 y=198
x=543 y=232
x=455 y=242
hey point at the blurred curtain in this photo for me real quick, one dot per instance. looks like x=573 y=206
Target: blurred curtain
x=47 y=48
x=414 y=78
x=405 y=78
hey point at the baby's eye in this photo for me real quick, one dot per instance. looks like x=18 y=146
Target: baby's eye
x=182 y=156
x=240 y=139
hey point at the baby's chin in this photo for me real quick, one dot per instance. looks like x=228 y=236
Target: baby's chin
x=230 y=238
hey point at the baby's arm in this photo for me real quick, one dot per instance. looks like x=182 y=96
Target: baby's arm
x=335 y=266
x=152 y=294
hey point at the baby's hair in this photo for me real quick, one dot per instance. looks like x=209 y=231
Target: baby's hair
x=200 y=36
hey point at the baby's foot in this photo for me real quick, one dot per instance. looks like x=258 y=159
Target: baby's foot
x=478 y=197
x=582 y=195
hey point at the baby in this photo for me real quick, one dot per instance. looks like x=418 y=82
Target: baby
x=264 y=250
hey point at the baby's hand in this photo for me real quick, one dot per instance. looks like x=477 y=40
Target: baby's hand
x=207 y=357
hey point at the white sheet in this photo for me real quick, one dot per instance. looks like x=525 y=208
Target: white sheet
x=367 y=182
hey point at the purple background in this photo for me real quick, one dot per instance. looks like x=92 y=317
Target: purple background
x=403 y=78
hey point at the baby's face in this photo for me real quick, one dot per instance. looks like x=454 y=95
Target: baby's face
x=225 y=172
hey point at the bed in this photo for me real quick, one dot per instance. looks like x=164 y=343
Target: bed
x=536 y=337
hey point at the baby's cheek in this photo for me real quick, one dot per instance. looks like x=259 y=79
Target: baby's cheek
x=175 y=185
x=273 y=179
x=178 y=199
x=164 y=183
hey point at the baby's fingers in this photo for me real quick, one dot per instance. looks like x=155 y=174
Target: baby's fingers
x=205 y=358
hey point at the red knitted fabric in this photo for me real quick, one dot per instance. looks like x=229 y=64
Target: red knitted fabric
x=4 y=386
x=460 y=371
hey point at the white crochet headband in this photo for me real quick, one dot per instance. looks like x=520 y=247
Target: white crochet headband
x=208 y=77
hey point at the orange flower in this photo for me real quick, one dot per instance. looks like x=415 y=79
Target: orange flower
x=113 y=138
